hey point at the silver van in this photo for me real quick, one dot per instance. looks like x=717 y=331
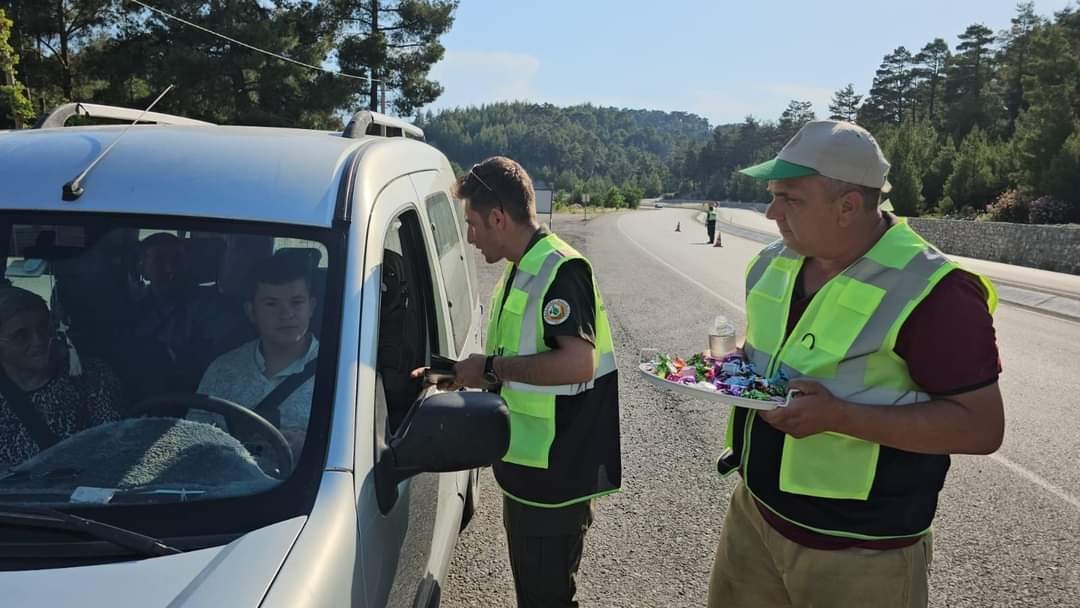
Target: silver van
x=185 y=423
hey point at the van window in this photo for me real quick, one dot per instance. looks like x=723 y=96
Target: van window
x=406 y=316
x=452 y=261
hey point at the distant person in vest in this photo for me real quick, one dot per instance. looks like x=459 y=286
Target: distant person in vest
x=893 y=349
x=710 y=222
x=551 y=359
x=273 y=374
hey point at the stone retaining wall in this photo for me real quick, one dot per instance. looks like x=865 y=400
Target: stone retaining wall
x=1048 y=247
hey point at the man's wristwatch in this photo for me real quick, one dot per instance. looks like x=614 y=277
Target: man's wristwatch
x=489 y=370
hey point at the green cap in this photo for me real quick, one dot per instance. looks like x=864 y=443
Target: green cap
x=777 y=169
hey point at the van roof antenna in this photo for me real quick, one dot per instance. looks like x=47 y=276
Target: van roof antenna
x=74 y=189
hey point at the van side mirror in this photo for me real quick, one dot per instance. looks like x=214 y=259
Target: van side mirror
x=443 y=433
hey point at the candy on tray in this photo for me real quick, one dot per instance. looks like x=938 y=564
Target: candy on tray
x=731 y=375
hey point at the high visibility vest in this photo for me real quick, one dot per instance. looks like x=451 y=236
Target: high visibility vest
x=833 y=483
x=516 y=327
x=710 y=215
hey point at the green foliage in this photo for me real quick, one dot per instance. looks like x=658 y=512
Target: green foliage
x=398 y=42
x=577 y=149
x=613 y=198
x=910 y=149
x=114 y=52
x=891 y=94
x=974 y=181
x=933 y=186
x=1062 y=178
x=632 y=196
x=845 y=104
x=14 y=106
x=968 y=91
x=797 y=114
x=929 y=76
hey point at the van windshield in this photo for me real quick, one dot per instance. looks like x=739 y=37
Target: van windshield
x=158 y=363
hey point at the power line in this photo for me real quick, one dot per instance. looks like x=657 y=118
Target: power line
x=369 y=79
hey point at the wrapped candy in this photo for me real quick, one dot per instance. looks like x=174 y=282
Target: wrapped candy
x=731 y=375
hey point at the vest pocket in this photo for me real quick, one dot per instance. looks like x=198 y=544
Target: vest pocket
x=828 y=465
x=532 y=427
x=510 y=320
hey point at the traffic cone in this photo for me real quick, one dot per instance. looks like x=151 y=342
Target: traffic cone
x=718 y=242
x=677 y=224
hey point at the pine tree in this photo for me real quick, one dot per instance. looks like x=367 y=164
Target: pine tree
x=1015 y=59
x=396 y=42
x=966 y=89
x=929 y=70
x=845 y=104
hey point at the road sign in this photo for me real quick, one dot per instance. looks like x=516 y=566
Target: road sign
x=543 y=201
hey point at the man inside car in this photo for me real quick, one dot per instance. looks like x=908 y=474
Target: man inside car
x=189 y=321
x=273 y=374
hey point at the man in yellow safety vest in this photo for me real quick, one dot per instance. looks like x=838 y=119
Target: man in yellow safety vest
x=550 y=356
x=892 y=347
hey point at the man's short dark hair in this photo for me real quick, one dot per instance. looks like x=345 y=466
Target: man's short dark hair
x=499 y=183
x=281 y=268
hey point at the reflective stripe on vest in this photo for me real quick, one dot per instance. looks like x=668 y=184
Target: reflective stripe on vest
x=845 y=341
x=516 y=328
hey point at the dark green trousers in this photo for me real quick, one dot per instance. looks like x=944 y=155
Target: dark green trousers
x=545 y=552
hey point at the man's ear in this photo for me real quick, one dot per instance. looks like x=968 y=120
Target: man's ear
x=850 y=206
x=249 y=311
x=498 y=217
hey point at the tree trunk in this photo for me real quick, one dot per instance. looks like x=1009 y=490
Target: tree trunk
x=373 y=70
x=933 y=92
x=65 y=66
x=9 y=79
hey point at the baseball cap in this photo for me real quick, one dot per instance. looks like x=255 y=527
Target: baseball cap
x=832 y=148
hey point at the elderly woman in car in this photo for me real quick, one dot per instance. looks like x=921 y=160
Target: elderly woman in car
x=43 y=396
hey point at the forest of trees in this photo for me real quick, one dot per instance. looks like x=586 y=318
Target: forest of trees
x=988 y=130
x=117 y=52
x=616 y=156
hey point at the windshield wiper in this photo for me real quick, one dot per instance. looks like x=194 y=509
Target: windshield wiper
x=59 y=520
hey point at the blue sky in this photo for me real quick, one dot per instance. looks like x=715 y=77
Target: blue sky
x=719 y=59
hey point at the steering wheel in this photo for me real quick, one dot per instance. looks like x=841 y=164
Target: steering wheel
x=238 y=417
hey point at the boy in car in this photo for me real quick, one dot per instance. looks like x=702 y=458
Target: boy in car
x=280 y=305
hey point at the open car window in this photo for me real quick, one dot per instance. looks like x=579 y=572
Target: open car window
x=142 y=364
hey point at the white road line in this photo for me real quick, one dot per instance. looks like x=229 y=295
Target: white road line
x=1031 y=476
x=730 y=303
x=1037 y=480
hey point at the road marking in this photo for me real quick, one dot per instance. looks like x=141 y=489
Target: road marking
x=737 y=307
x=1031 y=476
x=1037 y=480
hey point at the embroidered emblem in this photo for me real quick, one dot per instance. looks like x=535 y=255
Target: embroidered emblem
x=556 y=311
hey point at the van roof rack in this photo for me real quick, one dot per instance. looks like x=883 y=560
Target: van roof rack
x=59 y=116
x=366 y=122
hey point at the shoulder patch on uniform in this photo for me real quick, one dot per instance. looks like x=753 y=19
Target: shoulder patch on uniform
x=556 y=311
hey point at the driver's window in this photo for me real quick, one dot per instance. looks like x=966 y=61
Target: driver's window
x=405 y=316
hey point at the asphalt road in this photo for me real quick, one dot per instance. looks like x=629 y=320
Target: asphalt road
x=1008 y=525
